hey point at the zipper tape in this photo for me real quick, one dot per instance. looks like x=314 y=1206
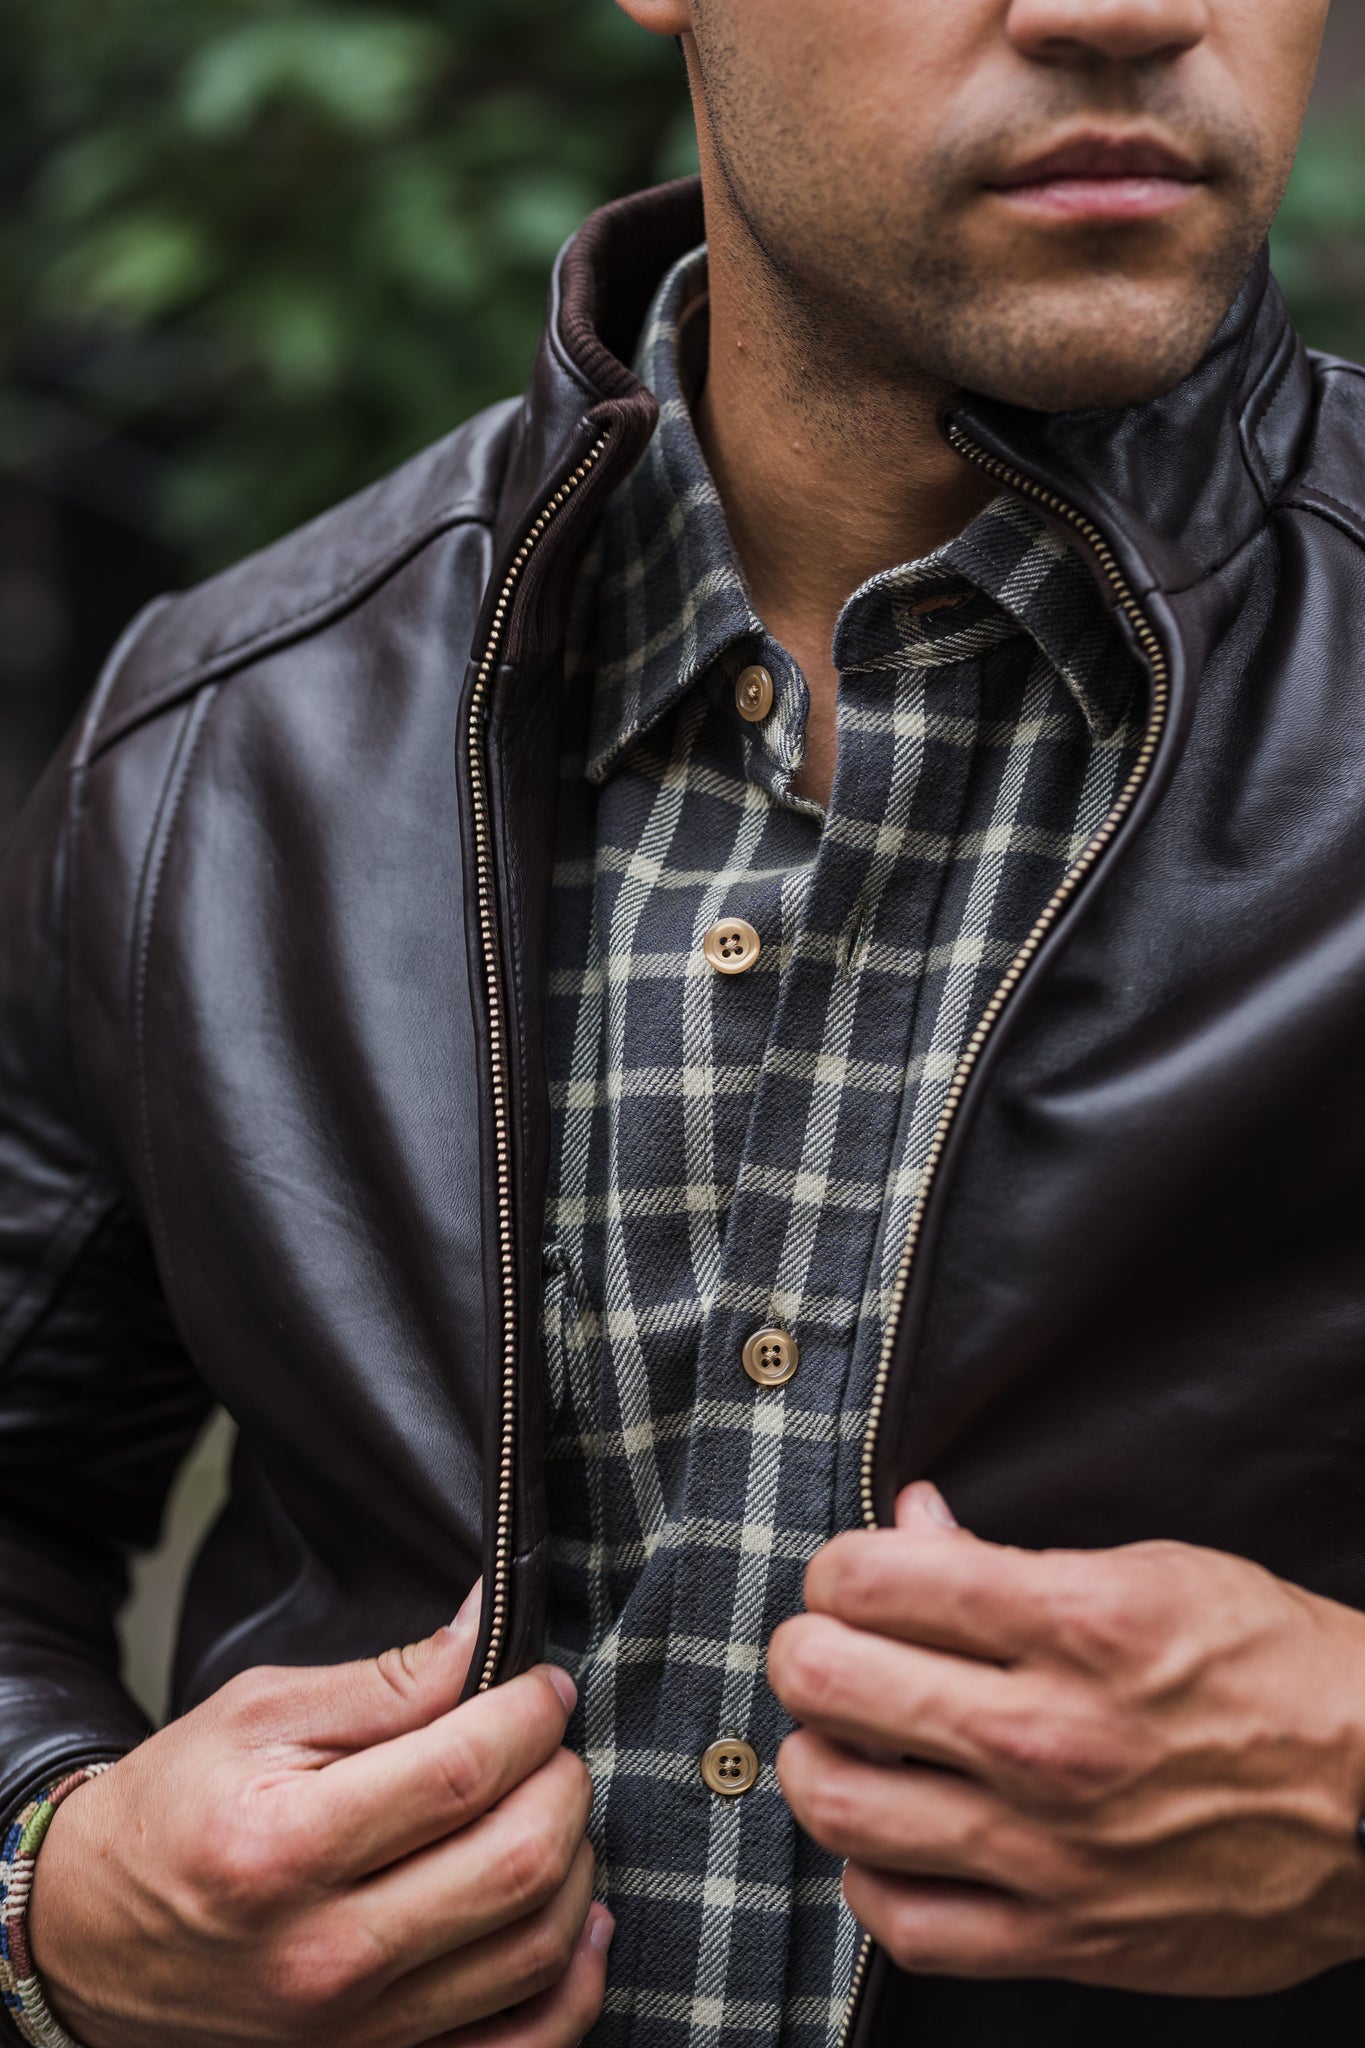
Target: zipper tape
x=497 y=1041
x=1155 y=655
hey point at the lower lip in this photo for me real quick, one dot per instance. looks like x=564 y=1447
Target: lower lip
x=1099 y=199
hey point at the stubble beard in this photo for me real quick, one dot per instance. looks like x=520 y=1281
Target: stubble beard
x=891 y=299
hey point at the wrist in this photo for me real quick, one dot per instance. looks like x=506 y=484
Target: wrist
x=1341 y=1741
x=21 y=1988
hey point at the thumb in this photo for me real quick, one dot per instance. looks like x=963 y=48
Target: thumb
x=921 y=1507
x=439 y=1662
x=352 y=1706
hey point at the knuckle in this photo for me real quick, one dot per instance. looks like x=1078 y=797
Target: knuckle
x=400 y=1669
x=560 y=1854
x=250 y=1865
x=1064 y=1761
x=531 y=1867
x=827 y=1812
x=1067 y=1875
x=1096 y=1619
x=548 y=1951
x=461 y=1776
x=971 y=1835
x=249 y=1694
x=807 y=1676
x=313 y=1976
x=1093 y=1768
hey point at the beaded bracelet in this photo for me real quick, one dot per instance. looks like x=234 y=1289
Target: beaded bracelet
x=21 y=1992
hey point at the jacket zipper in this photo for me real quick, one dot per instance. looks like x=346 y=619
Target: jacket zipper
x=497 y=1044
x=1014 y=973
x=488 y=931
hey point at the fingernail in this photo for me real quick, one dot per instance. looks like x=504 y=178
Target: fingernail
x=922 y=1502
x=563 y=1685
x=937 y=1508
x=468 y=1616
x=601 y=1928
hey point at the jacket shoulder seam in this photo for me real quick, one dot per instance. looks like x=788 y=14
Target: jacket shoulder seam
x=1259 y=409
x=213 y=667
x=1325 y=366
x=1319 y=504
x=74 y=822
x=168 y=811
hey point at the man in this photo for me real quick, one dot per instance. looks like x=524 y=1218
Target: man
x=777 y=922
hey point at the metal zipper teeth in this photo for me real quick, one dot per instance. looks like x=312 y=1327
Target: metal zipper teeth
x=855 y=1990
x=1066 y=888
x=488 y=936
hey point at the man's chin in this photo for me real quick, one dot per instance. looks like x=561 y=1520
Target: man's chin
x=1090 y=386
x=1071 y=357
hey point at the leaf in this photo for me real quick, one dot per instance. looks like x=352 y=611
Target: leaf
x=367 y=73
x=135 y=269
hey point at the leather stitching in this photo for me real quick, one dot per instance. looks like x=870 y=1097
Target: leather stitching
x=93 y=1202
x=1339 y=504
x=78 y=799
x=177 y=782
x=1258 y=412
x=1215 y=569
x=212 y=666
x=1347 y=519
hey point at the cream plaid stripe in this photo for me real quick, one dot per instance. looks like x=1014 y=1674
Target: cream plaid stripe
x=732 y=1151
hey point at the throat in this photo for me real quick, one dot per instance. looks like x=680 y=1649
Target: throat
x=814 y=779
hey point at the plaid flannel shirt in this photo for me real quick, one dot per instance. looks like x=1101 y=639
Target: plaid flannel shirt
x=731 y=1151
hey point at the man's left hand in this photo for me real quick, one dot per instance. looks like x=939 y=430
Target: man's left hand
x=1140 y=1767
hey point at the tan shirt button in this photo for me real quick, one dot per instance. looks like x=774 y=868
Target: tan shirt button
x=730 y=1767
x=753 y=693
x=732 y=946
x=771 y=1357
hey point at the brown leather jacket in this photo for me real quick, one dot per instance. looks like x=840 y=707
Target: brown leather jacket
x=273 y=1117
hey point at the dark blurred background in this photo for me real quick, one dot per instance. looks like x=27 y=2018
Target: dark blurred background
x=252 y=254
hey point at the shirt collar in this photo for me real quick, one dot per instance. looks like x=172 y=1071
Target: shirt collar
x=670 y=600
x=670 y=595
x=1007 y=573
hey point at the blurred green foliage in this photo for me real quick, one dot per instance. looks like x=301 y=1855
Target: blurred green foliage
x=1318 y=242
x=280 y=246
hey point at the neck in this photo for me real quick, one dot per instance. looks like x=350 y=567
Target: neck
x=826 y=477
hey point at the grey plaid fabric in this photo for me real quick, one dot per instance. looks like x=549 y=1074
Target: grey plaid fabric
x=735 y=1151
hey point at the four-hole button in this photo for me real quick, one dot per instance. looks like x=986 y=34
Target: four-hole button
x=732 y=946
x=730 y=1767
x=771 y=1357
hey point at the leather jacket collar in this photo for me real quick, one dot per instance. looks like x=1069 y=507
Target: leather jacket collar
x=1176 y=486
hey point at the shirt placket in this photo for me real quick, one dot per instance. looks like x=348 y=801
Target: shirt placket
x=795 y=1274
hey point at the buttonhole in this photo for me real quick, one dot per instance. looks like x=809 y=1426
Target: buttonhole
x=854 y=945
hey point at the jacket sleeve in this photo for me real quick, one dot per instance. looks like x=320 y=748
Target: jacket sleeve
x=99 y=1401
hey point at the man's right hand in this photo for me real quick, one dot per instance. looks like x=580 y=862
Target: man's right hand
x=332 y=1858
